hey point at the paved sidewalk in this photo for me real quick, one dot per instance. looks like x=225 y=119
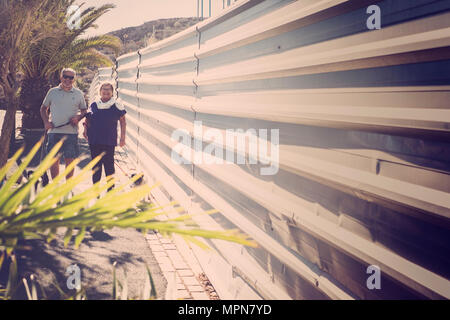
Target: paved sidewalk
x=95 y=258
x=184 y=275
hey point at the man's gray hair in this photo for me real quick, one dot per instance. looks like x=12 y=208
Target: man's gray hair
x=68 y=70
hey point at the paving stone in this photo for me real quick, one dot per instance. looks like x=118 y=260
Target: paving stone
x=180 y=265
x=167 y=274
x=181 y=286
x=163 y=260
x=195 y=288
x=182 y=294
x=151 y=237
x=155 y=248
x=170 y=275
x=199 y=296
x=166 y=267
x=179 y=262
x=154 y=242
x=165 y=241
x=160 y=254
x=174 y=254
x=185 y=273
x=176 y=259
x=189 y=280
x=169 y=246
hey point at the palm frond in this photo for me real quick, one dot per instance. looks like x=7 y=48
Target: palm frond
x=102 y=41
x=71 y=35
x=90 y=17
x=22 y=217
x=83 y=52
x=90 y=58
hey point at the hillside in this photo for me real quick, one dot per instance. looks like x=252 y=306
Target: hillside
x=134 y=38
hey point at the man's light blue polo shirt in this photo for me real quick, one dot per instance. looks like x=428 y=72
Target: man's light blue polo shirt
x=63 y=106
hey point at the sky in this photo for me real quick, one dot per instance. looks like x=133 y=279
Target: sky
x=130 y=13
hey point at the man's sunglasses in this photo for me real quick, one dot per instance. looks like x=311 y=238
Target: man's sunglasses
x=68 y=77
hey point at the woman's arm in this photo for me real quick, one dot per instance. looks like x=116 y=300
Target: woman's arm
x=85 y=126
x=123 y=130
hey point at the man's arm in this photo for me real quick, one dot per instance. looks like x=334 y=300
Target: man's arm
x=75 y=119
x=83 y=110
x=45 y=116
x=123 y=129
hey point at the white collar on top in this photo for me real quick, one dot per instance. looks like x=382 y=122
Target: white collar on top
x=108 y=104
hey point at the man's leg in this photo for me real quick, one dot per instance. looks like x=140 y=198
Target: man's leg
x=71 y=151
x=67 y=162
x=51 y=141
x=54 y=169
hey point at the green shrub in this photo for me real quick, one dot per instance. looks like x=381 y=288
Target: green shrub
x=25 y=214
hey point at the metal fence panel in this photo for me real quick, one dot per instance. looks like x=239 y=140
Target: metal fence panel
x=361 y=175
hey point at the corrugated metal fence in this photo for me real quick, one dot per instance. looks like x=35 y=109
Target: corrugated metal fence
x=362 y=118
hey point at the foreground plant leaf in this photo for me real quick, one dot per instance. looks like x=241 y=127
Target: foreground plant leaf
x=47 y=212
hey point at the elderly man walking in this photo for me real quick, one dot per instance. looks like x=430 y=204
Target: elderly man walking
x=64 y=103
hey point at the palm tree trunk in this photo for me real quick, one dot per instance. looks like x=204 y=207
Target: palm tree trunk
x=33 y=91
x=8 y=126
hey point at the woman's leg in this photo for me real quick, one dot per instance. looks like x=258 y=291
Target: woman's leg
x=108 y=162
x=96 y=150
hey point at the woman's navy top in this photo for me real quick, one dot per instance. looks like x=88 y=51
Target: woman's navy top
x=102 y=127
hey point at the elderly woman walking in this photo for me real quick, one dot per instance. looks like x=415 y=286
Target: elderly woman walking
x=100 y=130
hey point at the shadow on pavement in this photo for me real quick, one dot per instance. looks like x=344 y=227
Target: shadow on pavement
x=95 y=258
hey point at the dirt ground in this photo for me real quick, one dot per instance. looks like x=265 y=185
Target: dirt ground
x=94 y=257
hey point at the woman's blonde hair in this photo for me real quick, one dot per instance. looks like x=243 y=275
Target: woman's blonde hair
x=106 y=84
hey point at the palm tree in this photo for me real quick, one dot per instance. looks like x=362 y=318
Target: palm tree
x=21 y=24
x=61 y=48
